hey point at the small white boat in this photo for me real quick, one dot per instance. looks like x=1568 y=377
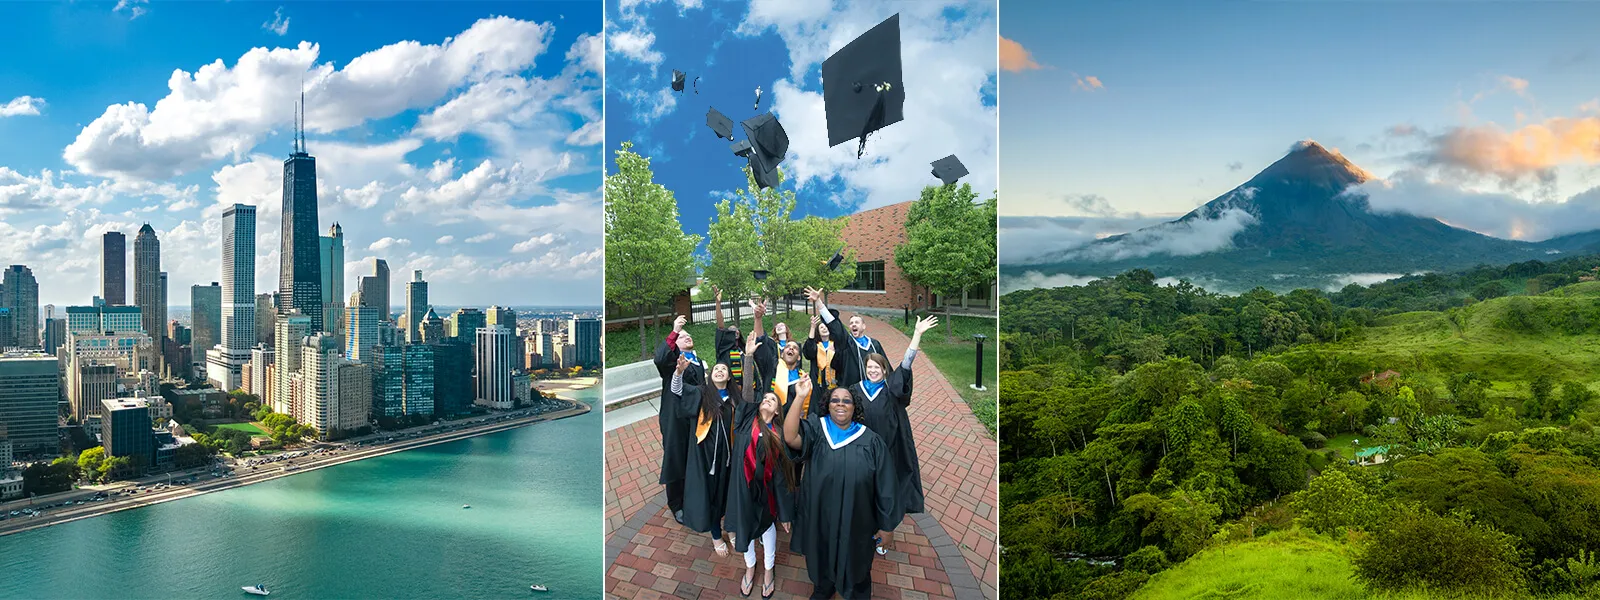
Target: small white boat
x=466 y=506
x=257 y=589
x=538 y=588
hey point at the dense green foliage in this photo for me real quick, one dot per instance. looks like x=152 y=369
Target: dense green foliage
x=1165 y=425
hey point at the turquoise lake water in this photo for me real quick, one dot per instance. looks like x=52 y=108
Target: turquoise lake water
x=385 y=527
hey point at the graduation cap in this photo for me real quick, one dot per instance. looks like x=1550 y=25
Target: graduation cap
x=949 y=169
x=862 y=89
x=759 y=274
x=677 y=80
x=741 y=148
x=833 y=263
x=769 y=144
x=719 y=123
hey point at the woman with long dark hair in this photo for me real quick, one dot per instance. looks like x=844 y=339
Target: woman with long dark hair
x=825 y=355
x=706 y=467
x=884 y=396
x=846 y=496
x=761 y=494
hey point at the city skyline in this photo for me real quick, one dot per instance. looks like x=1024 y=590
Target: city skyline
x=479 y=171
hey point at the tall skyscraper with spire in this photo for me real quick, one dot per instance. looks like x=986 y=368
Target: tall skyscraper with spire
x=147 y=292
x=332 y=257
x=300 y=256
x=19 y=292
x=114 y=268
x=225 y=363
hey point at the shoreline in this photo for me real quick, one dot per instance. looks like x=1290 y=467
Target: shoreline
x=14 y=525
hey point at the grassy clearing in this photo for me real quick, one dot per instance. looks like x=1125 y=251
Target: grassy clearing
x=955 y=358
x=245 y=427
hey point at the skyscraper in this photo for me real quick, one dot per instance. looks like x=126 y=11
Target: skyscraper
x=300 y=260
x=205 y=308
x=238 y=293
x=496 y=358
x=433 y=329
x=126 y=429
x=331 y=253
x=292 y=331
x=319 y=380
x=261 y=357
x=502 y=316
x=30 y=391
x=19 y=291
x=464 y=324
x=585 y=333
x=114 y=268
x=147 y=283
x=388 y=386
x=452 y=377
x=361 y=329
x=266 y=318
x=375 y=288
x=418 y=379
x=354 y=405
x=416 y=307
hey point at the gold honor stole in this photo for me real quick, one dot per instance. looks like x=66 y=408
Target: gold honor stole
x=780 y=384
x=703 y=426
x=825 y=358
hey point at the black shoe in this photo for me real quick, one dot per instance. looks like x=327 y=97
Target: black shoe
x=678 y=516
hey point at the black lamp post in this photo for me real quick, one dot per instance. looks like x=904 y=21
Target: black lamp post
x=978 y=384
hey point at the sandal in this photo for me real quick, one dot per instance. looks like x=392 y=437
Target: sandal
x=721 y=547
x=771 y=586
x=747 y=583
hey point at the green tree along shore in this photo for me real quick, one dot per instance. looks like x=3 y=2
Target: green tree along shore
x=1430 y=437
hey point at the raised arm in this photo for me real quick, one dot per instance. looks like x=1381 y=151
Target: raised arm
x=923 y=325
x=836 y=331
x=791 y=421
x=718 y=310
x=749 y=389
x=758 y=307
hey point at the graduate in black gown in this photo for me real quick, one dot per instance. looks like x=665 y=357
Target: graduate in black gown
x=675 y=425
x=762 y=486
x=827 y=361
x=885 y=395
x=854 y=342
x=705 y=490
x=730 y=346
x=846 y=496
x=777 y=362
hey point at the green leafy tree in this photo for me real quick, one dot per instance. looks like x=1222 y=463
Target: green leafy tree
x=1333 y=502
x=1422 y=550
x=1184 y=520
x=648 y=257
x=950 y=242
x=1574 y=396
x=90 y=462
x=1540 y=389
x=732 y=252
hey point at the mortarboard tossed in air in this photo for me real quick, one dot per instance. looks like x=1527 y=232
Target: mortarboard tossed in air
x=949 y=169
x=833 y=263
x=741 y=148
x=759 y=274
x=862 y=90
x=769 y=144
x=758 y=99
x=719 y=123
x=677 y=80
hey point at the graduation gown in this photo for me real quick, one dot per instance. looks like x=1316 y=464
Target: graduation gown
x=730 y=351
x=748 y=515
x=885 y=414
x=705 y=477
x=854 y=368
x=826 y=363
x=846 y=498
x=774 y=376
x=676 y=425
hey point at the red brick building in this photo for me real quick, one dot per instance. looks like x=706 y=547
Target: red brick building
x=874 y=235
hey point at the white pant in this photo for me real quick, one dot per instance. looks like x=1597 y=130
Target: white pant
x=769 y=542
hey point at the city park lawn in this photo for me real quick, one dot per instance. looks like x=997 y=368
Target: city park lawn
x=245 y=427
x=622 y=347
x=955 y=358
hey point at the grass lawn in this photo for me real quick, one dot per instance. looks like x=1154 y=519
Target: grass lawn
x=245 y=427
x=622 y=347
x=955 y=359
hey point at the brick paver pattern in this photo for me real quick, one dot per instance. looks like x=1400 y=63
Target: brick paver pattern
x=665 y=560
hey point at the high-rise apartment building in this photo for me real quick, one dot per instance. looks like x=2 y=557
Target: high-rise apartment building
x=496 y=359
x=19 y=291
x=100 y=319
x=319 y=380
x=266 y=318
x=261 y=357
x=331 y=253
x=292 y=331
x=465 y=323
x=30 y=394
x=238 y=311
x=205 y=318
x=354 y=408
x=416 y=307
x=585 y=335
x=388 y=387
x=375 y=289
x=362 y=325
x=502 y=316
x=418 y=379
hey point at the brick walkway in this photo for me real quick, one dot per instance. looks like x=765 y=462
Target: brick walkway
x=948 y=552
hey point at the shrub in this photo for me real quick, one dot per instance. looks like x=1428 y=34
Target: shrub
x=1422 y=550
x=1148 y=559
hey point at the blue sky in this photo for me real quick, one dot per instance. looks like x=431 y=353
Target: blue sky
x=458 y=138
x=949 y=56
x=1483 y=114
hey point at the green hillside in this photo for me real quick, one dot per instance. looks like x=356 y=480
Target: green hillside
x=1504 y=339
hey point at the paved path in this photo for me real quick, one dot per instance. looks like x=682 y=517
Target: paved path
x=949 y=552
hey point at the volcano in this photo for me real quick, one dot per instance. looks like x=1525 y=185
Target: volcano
x=1298 y=223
